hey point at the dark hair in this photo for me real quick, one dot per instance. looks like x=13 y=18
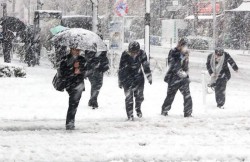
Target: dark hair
x=183 y=42
x=134 y=46
x=219 y=51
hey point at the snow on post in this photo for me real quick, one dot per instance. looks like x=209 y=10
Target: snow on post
x=204 y=87
x=95 y=16
x=147 y=28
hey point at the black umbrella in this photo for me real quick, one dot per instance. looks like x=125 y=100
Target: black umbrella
x=12 y=23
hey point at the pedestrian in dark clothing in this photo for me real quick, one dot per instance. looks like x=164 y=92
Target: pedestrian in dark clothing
x=131 y=78
x=97 y=64
x=72 y=70
x=217 y=66
x=178 y=79
x=30 y=56
x=8 y=37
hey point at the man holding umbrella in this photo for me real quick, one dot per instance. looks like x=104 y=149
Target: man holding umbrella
x=73 y=67
x=72 y=70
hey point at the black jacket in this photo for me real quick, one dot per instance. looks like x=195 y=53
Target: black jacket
x=225 y=72
x=103 y=62
x=97 y=64
x=130 y=70
x=177 y=62
x=67 y=71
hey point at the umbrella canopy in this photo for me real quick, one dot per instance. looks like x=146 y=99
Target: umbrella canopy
x=81 y=39
x=12 y=23
x=58 y=29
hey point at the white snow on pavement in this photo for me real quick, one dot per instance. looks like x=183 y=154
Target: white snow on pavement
x=32 y=124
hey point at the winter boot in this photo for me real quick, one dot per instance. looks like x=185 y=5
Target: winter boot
x=164 y=113
x=188 y=116
x=221 y=107
x=131 y=118
x=95 y=105
x=138 y=112
x=90 y=103
x=70 y=126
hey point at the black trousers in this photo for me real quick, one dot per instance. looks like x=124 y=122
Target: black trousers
x=6 y=51
x=75 y=95
x=96 y=81
x=132 y=93
x=220 y=91
x=183 y=87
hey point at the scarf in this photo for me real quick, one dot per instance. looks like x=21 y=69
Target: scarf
x=216 y=66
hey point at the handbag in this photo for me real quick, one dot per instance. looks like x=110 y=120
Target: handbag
x=59 y=82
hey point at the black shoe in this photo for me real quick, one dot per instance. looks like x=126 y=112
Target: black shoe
x=139 y=113
x=90 y=103
x=70 y=126
x=95 y=105
x=221 y=107
x=188 y=116
x=164 y=113
x=131 y=118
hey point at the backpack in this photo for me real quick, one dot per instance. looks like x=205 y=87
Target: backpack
x=59 y=82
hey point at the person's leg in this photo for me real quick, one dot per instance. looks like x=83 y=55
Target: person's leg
x=188 y=103
x=129 y=102
x=74 y=99
x=91 y=80
x=172 y=90
x=6 y=52
x=220 y=92
x=139 y=98
x=97 y=84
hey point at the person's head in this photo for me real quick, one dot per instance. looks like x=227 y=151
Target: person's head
x=182 y=44
x=134 y=47
x=75 y=51
x=219 y=52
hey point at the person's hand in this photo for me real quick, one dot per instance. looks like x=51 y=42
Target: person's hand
x=150 y=80
x=77 y=71
x=182 y=74
x=120 y=85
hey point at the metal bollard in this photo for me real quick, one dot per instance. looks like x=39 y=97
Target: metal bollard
x=204 y=87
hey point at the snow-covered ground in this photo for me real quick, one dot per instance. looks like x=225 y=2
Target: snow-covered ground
x=32 y=118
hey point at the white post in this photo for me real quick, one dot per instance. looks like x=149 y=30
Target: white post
x=214 y=23
x=95 y=16
x=204 y=87
x=147 y=28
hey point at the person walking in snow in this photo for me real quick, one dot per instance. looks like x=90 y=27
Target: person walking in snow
x=72 y=70
x=217 y=66
x=178 y=79
x=131 y=78
x=98 y=64
x=8 y=37
x=30 y=55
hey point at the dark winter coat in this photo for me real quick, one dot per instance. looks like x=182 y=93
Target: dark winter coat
x=131 y=71
x=67 y=71
x=103 y=61
x=177 y=62
x=96 y=64
x=225 y=72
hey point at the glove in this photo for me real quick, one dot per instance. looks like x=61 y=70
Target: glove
x=120 y=85
x=150 y=80
x=182 y=74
